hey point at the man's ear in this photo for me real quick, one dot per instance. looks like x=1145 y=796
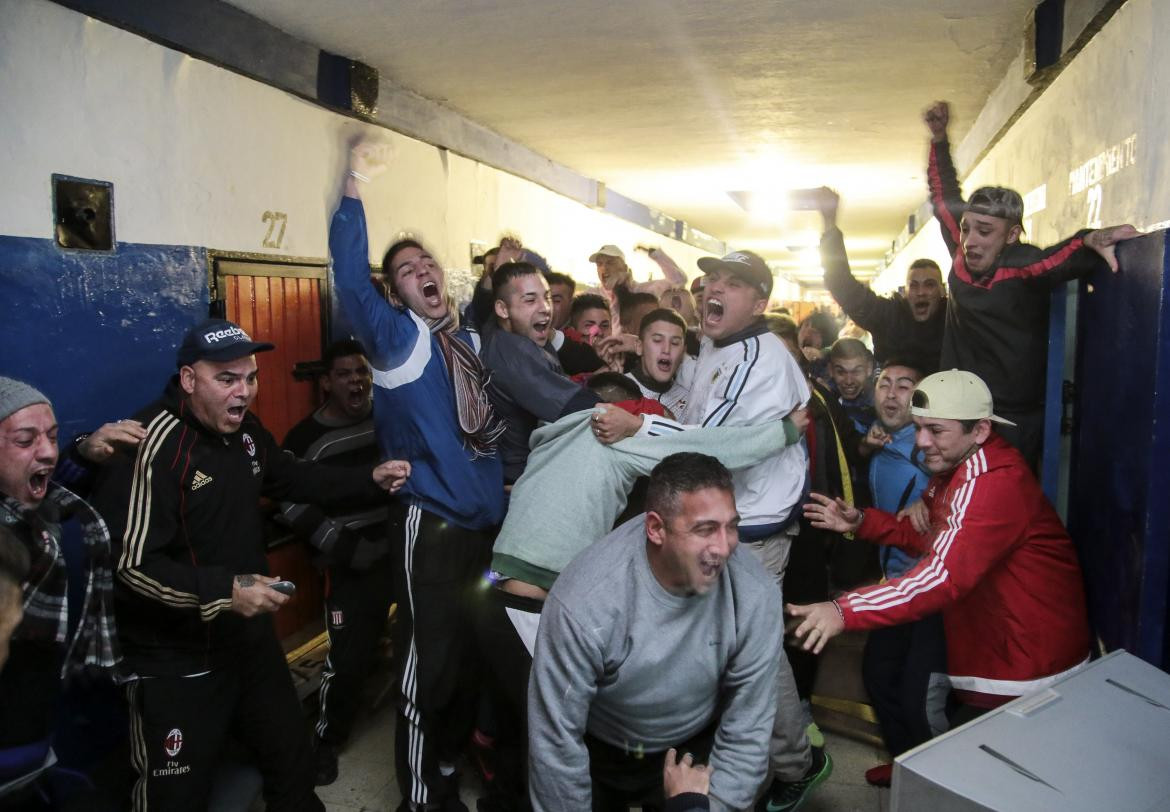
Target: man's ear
x=655 y=528
x=982 y=431
x=1014 y=233
x=501 y=308
x=187 y=379
x=638 y=346
x=760 y=306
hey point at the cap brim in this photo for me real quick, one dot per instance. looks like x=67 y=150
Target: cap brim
x=231 y=353
x=918 y=411
x=597 y=257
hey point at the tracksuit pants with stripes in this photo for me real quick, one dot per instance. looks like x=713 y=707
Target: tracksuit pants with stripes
x=438 y=568
x=355 y=616
x=180 y=726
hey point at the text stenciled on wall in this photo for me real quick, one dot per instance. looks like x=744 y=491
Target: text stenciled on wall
x=276 y=222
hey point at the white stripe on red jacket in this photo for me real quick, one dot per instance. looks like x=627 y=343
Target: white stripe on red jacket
x=999 y=565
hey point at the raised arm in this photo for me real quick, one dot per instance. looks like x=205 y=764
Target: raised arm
x=870 y=311
x=386 y=331
x=945 y=196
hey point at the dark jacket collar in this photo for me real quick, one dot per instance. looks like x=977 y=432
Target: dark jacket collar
x=756 y=328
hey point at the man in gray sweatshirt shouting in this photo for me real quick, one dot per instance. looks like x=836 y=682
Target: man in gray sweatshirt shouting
x=661 y=635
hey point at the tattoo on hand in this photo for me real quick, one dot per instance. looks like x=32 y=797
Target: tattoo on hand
x=244 y=581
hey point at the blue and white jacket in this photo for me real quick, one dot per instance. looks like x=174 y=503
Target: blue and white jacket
x=414 y=402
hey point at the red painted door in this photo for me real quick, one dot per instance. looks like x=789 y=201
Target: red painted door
x=282 y=304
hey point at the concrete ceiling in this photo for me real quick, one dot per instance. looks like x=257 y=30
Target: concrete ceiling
x=676 y=102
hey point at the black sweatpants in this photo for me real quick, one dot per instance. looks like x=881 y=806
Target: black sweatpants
x=438 y=566
x=508 y=665
x=355 y=615
x=179 y=727
x=896 y=669
x=622 y=778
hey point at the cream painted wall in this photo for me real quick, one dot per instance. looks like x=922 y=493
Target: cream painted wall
x=1091 y=151
x=198 y=155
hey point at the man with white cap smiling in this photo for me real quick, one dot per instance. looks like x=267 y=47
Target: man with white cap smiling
x=997 y=562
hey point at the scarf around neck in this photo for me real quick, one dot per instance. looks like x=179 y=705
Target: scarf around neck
x=46 y=610
x=480 y=425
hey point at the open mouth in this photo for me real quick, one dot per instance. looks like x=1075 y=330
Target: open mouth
x=357 y=398
x=710 y=566
x=540 y=327
x=236 y=413
x=921 y=308
x=714 y=309
x=430 y=292
x=38 y=483
x=664 y=365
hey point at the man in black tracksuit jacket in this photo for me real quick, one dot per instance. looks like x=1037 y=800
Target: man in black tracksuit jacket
x=905 y=327
x=1000 y=289
x=191 y=586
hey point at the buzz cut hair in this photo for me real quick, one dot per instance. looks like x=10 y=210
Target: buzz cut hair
x=684 y=473
x=665 y=314
x=587 y=301
x=340 y=349
x=849 y=349
x=558 y=278
x=503 y=276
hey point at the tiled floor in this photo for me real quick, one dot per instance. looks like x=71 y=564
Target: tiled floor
x=366 y=780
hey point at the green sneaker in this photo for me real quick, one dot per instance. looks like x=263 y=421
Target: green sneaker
x=786 y=796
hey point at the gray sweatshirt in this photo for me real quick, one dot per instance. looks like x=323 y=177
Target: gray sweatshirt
x=574 y=487
x=638 y=667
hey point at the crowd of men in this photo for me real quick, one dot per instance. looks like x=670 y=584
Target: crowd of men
x=594 y=511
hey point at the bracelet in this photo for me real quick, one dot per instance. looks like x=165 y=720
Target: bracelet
x=359 y=176
x=840 y=612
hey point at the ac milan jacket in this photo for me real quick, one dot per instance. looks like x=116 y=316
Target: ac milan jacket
x=1000 y=567
x=184 y=520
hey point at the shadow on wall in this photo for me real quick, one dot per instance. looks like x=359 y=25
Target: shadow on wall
x=96 y=332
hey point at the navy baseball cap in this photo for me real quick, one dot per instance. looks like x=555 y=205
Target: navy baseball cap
x=746 y=265
x=218 y=340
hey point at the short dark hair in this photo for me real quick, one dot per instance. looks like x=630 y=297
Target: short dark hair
x=684 y=473
x=782 y=326
x=639 y=297
x=503 y=276
x=824 y=324
x=925 y=263
x=608 y=384
x=846 y=349
x=587 y=301
x=558 y=278
x=912 y=364
x=666 y=314
x=970 y=424
x=388 y=259
x=14 y=558
x=340 y=349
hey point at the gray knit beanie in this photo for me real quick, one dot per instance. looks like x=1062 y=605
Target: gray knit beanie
x=15 y=395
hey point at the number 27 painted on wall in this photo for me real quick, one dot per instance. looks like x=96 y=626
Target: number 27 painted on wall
x=272 y=237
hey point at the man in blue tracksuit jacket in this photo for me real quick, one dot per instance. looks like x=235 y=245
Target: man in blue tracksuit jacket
x=430 y=408
x=899 y=660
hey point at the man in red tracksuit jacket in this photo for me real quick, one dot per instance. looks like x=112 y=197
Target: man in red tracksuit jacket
x=997 y=562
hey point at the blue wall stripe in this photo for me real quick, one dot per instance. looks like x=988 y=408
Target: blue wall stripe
x=97 y=332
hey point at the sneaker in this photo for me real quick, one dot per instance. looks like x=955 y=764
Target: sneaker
x=786 y=796
x=880 y=775
x=325 y=757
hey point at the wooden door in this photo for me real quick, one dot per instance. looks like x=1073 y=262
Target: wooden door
x=283 y=304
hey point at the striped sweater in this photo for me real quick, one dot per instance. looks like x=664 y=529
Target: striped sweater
x=184 y=520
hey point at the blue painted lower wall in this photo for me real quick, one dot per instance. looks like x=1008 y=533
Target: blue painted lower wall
x=96 y=332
